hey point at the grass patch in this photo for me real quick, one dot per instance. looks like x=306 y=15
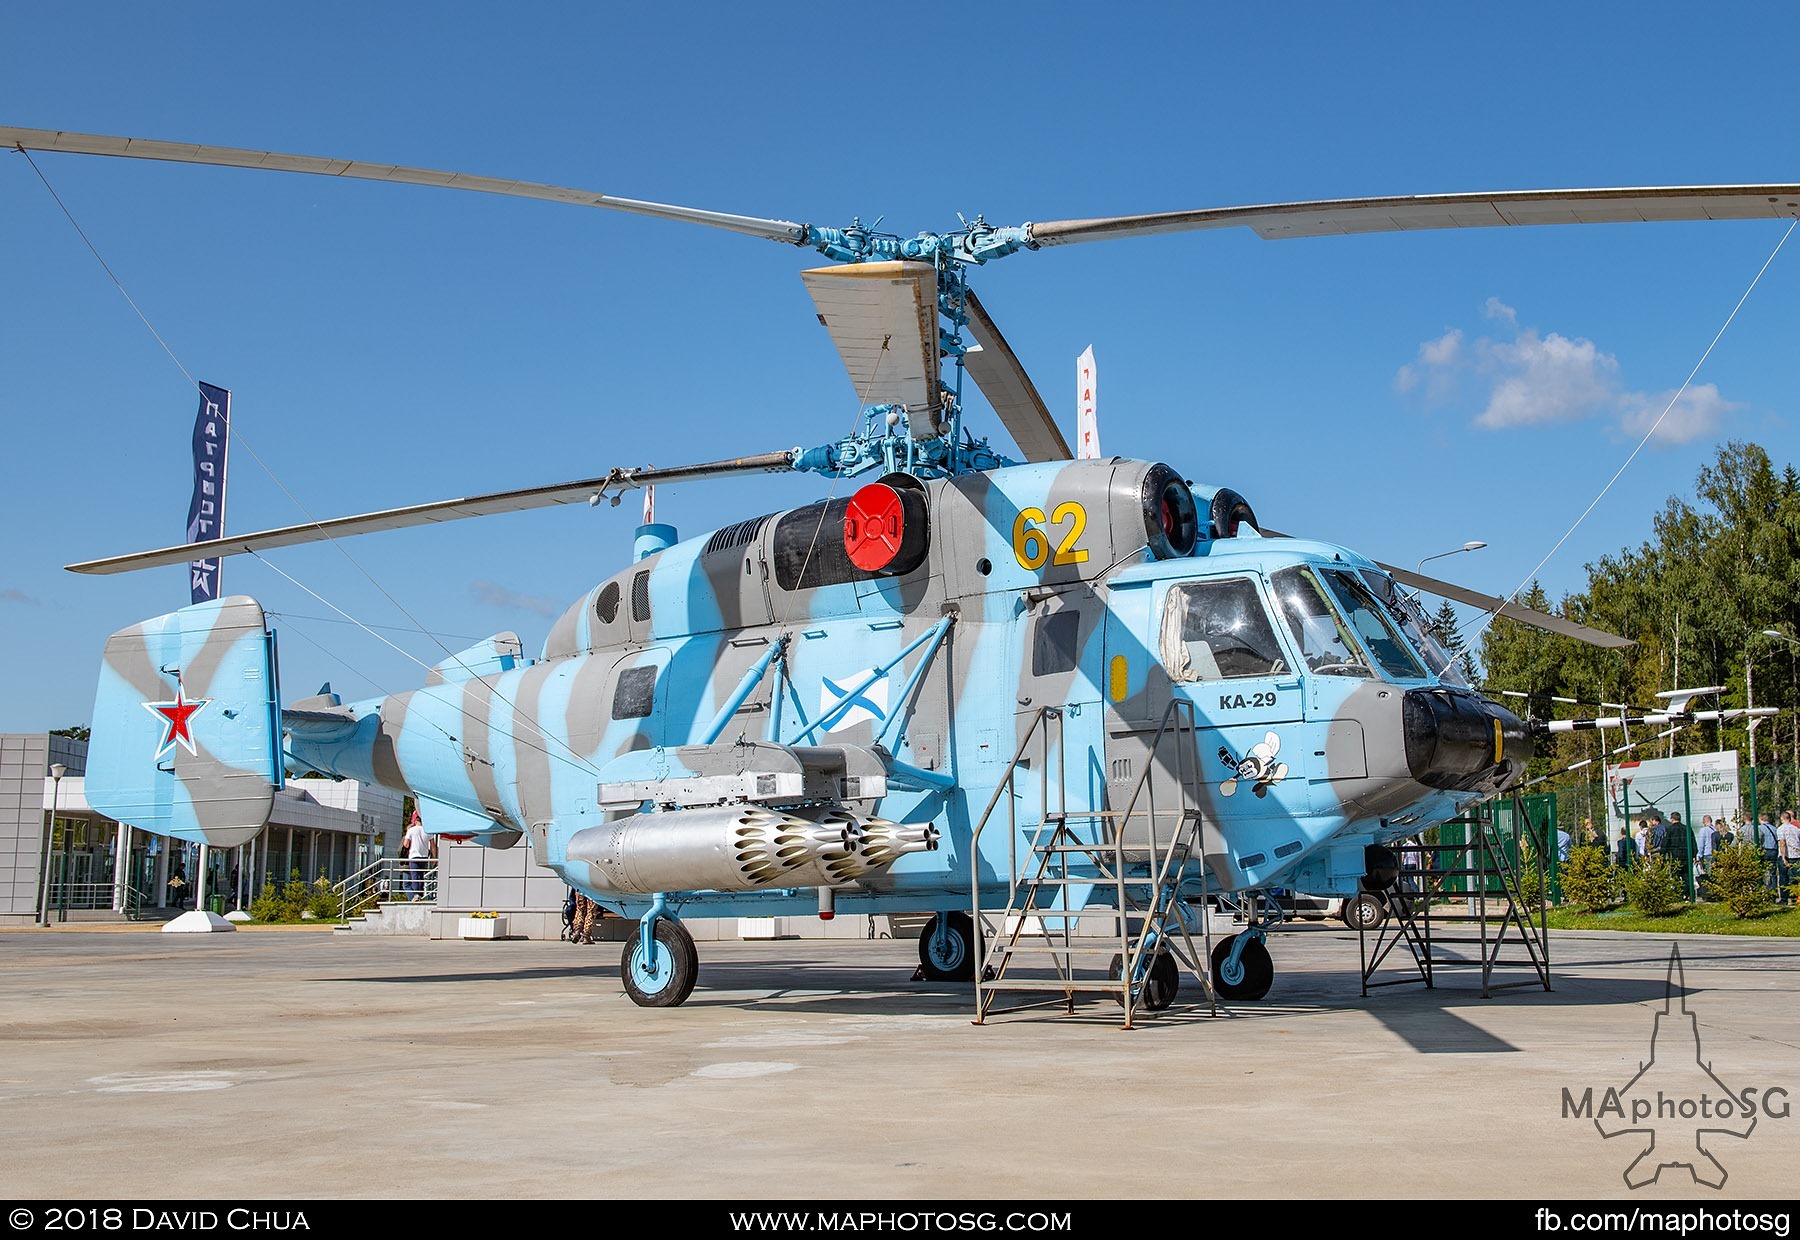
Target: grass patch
x=1783 y=922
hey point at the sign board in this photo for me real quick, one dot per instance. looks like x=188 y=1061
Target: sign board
x=1693 y=786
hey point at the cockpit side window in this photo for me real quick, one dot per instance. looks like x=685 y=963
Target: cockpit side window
x=1372 y=624
x=1313 y=619
x=1411 y=618
x=1219 y=630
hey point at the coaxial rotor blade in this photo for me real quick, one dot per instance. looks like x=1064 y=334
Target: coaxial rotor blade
x=1001 y=377
x=589 y=490
x=883 y=319
x=1492 y=604
x=1506 y=607
x=232 y=157
x=1338 y=216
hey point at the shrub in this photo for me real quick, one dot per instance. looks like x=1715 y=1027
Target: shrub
x=282 y=903
x=1591 y=881
x=1653 y=887
x=323 y=901
x=1739 y=878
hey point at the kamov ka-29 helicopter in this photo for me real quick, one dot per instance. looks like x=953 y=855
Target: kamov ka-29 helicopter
x=822 y=708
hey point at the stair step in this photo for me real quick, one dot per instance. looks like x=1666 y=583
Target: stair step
x=1101 y=985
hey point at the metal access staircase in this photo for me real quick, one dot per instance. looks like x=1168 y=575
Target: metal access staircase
x=1464 y=894
x=1081 y=869
x=367 y=894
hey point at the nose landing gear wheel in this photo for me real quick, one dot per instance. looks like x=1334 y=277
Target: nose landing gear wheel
x=665 y=976
x=1251 y=978
x=948 y=947
x=1157 y=991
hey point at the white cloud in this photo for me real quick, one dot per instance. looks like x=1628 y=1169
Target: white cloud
x=1494 y=308
x=1524 y=378
x=1696 y=415
x=499 y=596
x=1544 y=379
x=1436 y=368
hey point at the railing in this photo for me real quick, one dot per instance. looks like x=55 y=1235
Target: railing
x=65 y=898
x=387 y=879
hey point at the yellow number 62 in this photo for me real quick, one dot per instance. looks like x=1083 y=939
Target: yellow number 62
x=1031 y=546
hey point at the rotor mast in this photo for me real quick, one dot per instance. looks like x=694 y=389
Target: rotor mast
x=928 y=442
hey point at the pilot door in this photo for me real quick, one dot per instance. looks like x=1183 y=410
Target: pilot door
x=1212 y=642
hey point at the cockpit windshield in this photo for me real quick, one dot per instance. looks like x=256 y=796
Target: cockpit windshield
x=1371 y=622
x=1411 y=618
x=1318 y=629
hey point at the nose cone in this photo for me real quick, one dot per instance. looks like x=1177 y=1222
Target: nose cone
x=1458 y=741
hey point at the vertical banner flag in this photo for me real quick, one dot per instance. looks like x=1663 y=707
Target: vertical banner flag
x=1088 y=421
x=206 y=510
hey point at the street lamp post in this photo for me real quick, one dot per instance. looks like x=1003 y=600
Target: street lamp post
x=1468 y=546
x=1750 y=705
x=57 y=771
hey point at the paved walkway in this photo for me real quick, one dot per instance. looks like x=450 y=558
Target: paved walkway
x=296 y=1064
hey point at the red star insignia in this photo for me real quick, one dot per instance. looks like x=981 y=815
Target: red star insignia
x=176 y=717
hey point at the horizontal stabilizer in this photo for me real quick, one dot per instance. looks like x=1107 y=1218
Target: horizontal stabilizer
x=489 y=657
x=462 y=826
x=187 y=725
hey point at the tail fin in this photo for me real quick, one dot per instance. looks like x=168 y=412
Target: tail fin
x=187 y=725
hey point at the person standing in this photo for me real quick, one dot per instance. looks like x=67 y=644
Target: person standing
x=1625 y=851
x=178 y=888
x=1706 y=843
x=416 y=848
x=1562 y=846
x=1765 y=839
x=1787 y=852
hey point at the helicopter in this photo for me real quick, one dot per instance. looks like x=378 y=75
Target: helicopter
x=809 y=709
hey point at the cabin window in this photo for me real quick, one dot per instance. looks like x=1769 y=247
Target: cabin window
x=1054 y=645
x=1372 y=624
x=1312 y=617
x=635 y=693
x=1219 y=630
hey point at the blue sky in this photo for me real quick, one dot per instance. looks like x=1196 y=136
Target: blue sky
x=390 y=345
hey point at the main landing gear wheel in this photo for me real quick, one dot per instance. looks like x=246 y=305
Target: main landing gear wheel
x=1251 y=978
x=949 y=956
x=1157 y=991
x=1364 y=911
x=665 y=977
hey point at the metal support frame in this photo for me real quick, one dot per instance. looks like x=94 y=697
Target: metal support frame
x=1418 y=892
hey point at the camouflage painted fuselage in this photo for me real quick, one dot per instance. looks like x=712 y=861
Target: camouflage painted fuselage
x=1041 y=585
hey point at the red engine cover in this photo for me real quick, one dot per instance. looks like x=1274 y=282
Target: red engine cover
x=874 y=526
